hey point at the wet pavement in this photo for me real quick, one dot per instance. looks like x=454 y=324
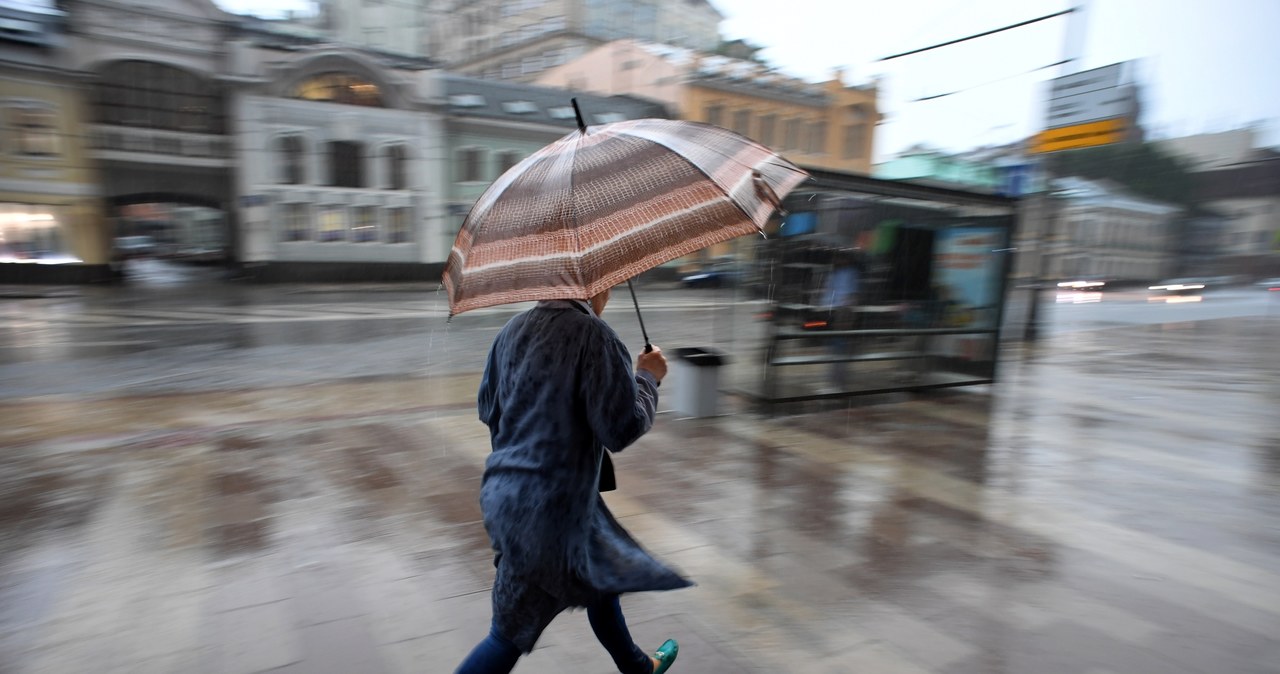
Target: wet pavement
x=1110 y=506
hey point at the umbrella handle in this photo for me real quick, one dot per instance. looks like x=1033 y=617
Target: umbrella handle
x=648 y=348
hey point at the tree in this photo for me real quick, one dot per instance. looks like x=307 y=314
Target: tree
x=1143 y=168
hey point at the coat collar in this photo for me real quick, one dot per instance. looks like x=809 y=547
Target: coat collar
x=580 y=305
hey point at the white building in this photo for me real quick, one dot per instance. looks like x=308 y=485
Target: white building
x=1104 y=232
x=339 y=161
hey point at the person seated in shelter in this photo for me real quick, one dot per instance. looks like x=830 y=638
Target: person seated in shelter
x=840 y=298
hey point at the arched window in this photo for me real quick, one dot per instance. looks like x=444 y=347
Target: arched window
x=339 y=87
x=292 y=161
x=397 y=167
x=157 y=96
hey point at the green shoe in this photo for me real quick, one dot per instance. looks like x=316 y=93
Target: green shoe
x=666 y=654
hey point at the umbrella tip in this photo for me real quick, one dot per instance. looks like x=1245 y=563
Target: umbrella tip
x=582 y=126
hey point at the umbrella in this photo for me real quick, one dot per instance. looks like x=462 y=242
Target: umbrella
x=608 y=202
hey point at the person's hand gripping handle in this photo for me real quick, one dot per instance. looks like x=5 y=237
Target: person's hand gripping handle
x=653 y=361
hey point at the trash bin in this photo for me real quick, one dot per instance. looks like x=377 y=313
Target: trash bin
x=697 y=379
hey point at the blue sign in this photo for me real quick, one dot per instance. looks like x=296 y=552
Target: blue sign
x=1015 y=180
x=799 y=223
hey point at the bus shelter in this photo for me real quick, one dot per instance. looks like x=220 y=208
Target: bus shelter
x=868 y=286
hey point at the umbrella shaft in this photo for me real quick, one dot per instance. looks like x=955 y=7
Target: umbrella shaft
x=647 y=346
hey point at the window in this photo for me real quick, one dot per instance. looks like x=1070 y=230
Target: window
x=297 y=222
x=292 y=170
x=855 y=132
x=510 y=71
x=742 y=122
x=398 y=225
x=366 y=228
x=346 y=164
x=817 y=138
x=470 y=165
x=343 y=88
x=854 y=148
x=35 y=130
x=467 y=101
x=520 y=107
x=333 y=224
x=715 y=114
x=506 y=160
x=791 y=141
x=397 y=164
x=155 y=96
x=767 y=123
x=530 y=65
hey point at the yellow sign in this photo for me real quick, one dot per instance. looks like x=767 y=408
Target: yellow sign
x=1089 y=134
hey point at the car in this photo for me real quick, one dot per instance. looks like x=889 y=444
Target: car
x=1180 y=286
x=715 y=276
x=1082 y=285
x=1272 y=284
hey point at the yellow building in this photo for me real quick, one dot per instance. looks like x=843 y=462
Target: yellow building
x=50 y=215
x=828 y=125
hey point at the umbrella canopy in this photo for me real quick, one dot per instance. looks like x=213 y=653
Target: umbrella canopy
x=606 y=203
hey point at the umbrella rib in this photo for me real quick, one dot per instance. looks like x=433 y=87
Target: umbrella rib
x=573 y=206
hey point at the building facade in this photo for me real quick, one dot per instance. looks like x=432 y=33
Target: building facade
x=299 y=158
x=390 y=26
x=320 y=158
x=339 y=158
x=829 y=125
x=49 y=192
x=1103 y=232
x=517 y=40
x=1247 y=196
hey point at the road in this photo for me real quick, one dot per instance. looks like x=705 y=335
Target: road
x=179 y=328
x=202 y=476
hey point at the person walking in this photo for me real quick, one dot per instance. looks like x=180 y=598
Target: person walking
x=559 y=391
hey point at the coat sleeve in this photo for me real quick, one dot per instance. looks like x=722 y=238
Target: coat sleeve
x=620 y=403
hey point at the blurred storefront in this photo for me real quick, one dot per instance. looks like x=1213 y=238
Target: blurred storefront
x=50 y=225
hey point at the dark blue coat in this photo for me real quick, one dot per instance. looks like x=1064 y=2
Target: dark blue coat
x=558 y=390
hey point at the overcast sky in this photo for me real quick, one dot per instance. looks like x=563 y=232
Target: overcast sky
x=1205 y=65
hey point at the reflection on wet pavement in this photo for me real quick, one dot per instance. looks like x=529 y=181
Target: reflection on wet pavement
x=1110 y=506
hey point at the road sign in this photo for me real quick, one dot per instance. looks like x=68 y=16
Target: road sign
x=1106 y=77
x=1088 y=109
x=1089 y=134
x=1091 y=106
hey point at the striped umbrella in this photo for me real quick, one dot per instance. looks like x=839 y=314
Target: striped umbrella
x=608 y=202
